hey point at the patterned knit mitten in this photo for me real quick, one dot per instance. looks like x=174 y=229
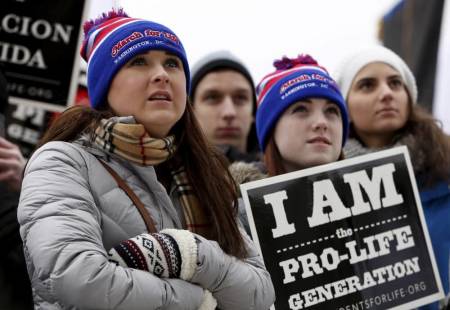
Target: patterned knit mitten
x=171 y=253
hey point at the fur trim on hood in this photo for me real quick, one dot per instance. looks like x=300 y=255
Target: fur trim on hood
x=246 y=172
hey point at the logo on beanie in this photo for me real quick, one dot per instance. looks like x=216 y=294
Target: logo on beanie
x=119 y=45
x=130 y=50
x=299 y=87
x=305 y=77
x=137 y=35
x=299 y=79
x=157 y=33
x=322 y=78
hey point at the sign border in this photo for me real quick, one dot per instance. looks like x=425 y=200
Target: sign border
x=74 y=81
x=400 y=150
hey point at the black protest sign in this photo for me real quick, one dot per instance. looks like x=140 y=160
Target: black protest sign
x=348 y=235
x=25 y=125
x=39 y=50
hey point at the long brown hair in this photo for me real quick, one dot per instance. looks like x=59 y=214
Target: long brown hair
x=272 y=158
x=205 y=167
x=431 y=141
x=72 y=122
x=207 y=171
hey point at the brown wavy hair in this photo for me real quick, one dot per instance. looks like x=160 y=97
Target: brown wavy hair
x=206 y=169
x=431 y=141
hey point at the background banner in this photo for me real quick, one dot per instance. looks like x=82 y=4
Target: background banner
x=39 y=45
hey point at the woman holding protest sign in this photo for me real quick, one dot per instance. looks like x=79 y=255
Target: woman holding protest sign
x=381 y=94
x=90 y=244
x=301 y=121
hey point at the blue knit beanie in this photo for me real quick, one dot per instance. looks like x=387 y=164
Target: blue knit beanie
x=294 y=80
x=113 y=39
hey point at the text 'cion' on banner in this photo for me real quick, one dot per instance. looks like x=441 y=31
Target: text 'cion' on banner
x=39 y=50
x=346 y=235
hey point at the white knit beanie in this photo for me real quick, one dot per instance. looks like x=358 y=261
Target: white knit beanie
x=350 y=67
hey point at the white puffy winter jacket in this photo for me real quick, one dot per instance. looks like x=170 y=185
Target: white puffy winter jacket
x=72 y=212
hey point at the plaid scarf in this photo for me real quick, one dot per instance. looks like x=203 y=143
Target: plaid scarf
x=195 y=217
x=132 y=142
